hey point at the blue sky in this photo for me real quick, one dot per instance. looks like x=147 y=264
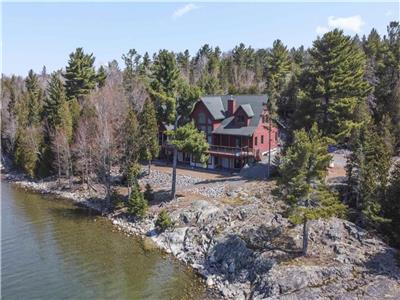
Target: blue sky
x=37 y=34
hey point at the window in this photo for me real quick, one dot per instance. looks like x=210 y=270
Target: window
x=240 y=119
x=276 y=136
x=262 y=139
x=201 y=118
x=238 y=142
x=255 y=141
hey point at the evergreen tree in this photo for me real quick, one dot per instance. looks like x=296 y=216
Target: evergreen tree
x=387 y=71
x=137 y=205
x=276 y=73
x=277 y=70
x=367 y=171
x=188 y=139
x=29 y=133
x=54 y=102
x=149 y=132
x=28 y=139
x=58 y=118
x=392 y=206
x=163 y=221
x=164 y=86
x=144 y=67
x=34 y=98
x=337 y=79
x=101 y=76
x=303 y=169
x=80 y=75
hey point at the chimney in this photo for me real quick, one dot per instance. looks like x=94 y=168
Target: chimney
x=231 y=106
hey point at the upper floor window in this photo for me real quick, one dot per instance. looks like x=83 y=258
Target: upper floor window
x=240 y=119
x=255 y=141
x=262 y=139
x=201 y=118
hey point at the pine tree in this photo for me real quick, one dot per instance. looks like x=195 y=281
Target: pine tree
x=55 y=100
x=276 y=73
x=34 y=98
x=101 y=76
x=80 y=75
x=392 y=205
x=163 y=221
x=367 y=171
x=188 y=139
x=137 y=205
x=149 y=132
x=337 y=79
x=29 y=133
x=164 y=86
x=387 y=90
x=303 y=169
x=172 y=96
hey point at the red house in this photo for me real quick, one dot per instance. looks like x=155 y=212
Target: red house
x=236 y=128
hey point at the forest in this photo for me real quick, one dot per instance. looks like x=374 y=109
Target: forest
x=344 y=91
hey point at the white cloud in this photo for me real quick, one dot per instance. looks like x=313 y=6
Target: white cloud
x=388 y=13
x=354 y=23
x=321 y=29
x=184 y=10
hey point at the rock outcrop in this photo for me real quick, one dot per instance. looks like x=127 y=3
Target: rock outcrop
x=250 y=251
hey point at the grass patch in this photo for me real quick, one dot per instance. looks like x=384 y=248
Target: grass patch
x=233 y=201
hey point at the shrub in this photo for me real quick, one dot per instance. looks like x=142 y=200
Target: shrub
x=164 y=221
x=117 y=200
x=148 y=193
x=137 y=205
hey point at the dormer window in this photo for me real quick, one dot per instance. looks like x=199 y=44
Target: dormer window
x=240 y=119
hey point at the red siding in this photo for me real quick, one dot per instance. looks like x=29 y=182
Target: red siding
x=261 y=133
x=262 y=130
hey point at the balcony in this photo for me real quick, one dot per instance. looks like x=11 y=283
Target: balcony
x=231 y=151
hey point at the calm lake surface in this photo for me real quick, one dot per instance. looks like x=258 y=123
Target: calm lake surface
x=52 y=249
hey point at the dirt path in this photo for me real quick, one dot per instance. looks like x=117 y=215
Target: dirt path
x=206 y=175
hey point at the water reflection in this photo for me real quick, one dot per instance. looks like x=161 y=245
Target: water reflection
x=54 y=250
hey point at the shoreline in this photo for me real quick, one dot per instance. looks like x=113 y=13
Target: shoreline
x=246 y=249
x=123 y=225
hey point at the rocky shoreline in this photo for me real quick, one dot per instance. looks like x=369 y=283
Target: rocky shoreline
x=247 y=249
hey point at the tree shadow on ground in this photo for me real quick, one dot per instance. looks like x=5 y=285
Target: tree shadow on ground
x=253 y=252
x=385 y=263
x=162 y=196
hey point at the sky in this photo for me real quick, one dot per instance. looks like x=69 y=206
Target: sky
x=37 y=34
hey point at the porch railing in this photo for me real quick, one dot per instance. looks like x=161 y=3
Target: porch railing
x=236 y=151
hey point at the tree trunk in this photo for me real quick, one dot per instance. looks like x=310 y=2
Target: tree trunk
x=269 y=149
x=149 y=167
x=59 y=164
x=174 y=164
x=305 y=236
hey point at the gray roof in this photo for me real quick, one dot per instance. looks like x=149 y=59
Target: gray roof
x=253 y=105
x=214 y=106
x=247 y=109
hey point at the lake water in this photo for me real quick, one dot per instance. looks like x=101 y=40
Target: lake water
x=52 y=249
